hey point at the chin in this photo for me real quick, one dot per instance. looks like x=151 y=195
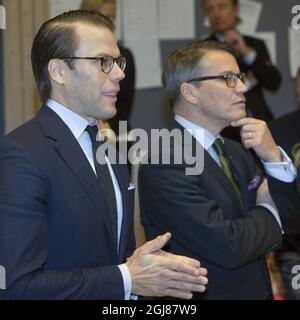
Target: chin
x=241 y=115
x=107 y=112
x=237 y=117
x=109 y=115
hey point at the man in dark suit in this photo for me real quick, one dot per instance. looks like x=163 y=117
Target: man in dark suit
x=254 y=59
x=225 y=215
x=66 y=220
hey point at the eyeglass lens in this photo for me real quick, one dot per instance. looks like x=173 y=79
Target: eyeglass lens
x=107 y=63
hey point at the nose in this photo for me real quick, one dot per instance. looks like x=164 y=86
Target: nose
x=241 y=86
x=117 y=74
x=215 y=13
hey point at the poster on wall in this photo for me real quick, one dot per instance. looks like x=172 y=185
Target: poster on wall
x=57 y=7
x=176 y=19
x=141 y=35
x=294 y=51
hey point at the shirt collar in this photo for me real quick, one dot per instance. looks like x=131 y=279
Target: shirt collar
x=205 y=138
x=220 y=37
x=75 y=122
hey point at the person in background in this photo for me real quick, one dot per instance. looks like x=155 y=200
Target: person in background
x=254 y=59
x=127 y=86
x=66 y=220
x=230 y=214
x=286 y=132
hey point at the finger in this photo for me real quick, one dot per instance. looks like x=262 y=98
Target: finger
x=180 y=294
x=203 y=271
x=192 y=262
x=245 y=121
x=180 y=267
x=203 y=280
x=186 y=286
x=248 y=143
x=184 y=277
x=156 y=244
x=249 y=135
x=249 y=128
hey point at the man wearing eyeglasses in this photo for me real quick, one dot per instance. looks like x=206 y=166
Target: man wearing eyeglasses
x=224 y=216
x=66 y=221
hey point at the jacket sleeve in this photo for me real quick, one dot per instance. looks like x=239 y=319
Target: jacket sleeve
x=172 y=201
x=287 y=200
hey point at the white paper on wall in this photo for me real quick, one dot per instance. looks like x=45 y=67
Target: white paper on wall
x=119 y=19
x=57 y=7
x=294 y=51
x=270 y=41
x=249 y=13
x=141 y=36
x=147 y=62
x=176 y=19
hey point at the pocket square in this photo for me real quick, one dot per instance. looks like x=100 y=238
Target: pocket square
x=253 y=184
x=131 y=186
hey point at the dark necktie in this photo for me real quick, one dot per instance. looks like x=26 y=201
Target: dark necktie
x=106 y=183
x=219 y=148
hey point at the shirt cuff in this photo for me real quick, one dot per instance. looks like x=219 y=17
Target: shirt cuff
x=126 y=281
x=273 y=211
x=284 y=171
x=250 y=57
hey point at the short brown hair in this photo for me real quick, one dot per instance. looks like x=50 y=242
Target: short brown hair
x=186 y=63
x=57 y=39
x=234 y=2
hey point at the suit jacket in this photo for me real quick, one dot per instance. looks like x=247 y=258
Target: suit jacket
x=203 y=214
x=56 y=237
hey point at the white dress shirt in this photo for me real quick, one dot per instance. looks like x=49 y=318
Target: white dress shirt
x=77 y=125
x=283 y=171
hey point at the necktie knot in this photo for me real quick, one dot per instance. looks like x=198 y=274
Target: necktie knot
x=218 y=146
x=92 y=131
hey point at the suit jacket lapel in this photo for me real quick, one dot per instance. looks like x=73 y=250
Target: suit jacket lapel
x=70 y=151
x=211 y=168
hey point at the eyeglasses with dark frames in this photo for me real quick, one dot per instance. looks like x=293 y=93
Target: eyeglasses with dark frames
x=106 y=62
x=231 y=79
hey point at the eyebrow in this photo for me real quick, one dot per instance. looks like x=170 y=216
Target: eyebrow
x=106 y=54
x=228 y=71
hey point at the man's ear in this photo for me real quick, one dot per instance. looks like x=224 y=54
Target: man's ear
x=189 y=92
x=57 y=70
